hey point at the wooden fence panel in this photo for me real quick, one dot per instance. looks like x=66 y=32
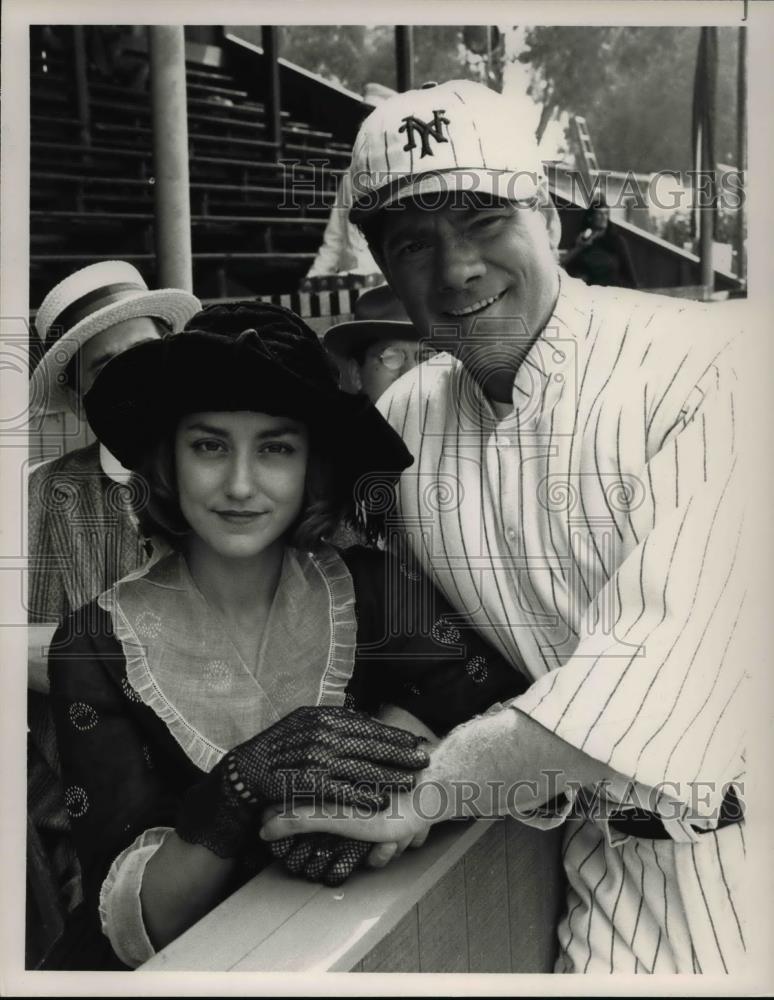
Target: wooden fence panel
x=536 y=882
x=443 y=926
x=488 y=912
x=399 y=951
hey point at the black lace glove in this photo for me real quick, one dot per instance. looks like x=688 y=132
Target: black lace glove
x=324 y=753
x=321 y=857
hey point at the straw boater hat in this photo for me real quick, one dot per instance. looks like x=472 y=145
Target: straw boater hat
x=379 y=315
x=85 y=304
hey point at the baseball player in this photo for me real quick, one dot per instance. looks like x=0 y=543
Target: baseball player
x=583 y=447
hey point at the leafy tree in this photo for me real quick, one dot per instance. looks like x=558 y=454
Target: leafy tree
x=634 y=86
x=354 y=55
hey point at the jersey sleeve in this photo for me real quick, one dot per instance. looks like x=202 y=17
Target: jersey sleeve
x=659 y=696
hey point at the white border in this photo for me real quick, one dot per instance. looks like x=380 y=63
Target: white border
x=14 y=248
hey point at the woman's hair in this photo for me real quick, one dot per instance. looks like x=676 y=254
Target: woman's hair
x=157 y=508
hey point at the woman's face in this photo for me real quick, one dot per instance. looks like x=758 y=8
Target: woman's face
x=240 y=478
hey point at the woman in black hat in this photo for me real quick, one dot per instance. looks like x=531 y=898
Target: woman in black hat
x=243 y=664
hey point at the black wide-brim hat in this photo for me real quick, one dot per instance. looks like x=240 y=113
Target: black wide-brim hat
x=244 y=356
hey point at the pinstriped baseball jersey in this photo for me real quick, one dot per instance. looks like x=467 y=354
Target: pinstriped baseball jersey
x=594 y=535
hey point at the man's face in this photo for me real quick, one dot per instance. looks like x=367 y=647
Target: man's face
x=97 y=351
x=384 y=363
x=474 y=274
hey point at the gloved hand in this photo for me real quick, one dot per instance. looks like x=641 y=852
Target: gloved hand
x=321 y=857
x=323 y=752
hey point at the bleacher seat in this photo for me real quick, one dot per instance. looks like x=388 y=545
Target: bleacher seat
x=92 y=183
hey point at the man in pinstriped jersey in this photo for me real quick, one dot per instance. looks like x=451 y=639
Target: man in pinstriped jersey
x=580 y=446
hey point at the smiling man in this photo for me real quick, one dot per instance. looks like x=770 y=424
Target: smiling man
x=580 y=448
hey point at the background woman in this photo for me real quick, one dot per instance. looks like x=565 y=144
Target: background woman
x=177 y=693
x=600 y=255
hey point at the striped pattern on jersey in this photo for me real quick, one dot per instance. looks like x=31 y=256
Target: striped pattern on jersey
x=597 y=528
x=652 y=906
x=594 y=536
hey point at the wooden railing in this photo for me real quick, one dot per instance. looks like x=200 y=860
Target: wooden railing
x=480 y=896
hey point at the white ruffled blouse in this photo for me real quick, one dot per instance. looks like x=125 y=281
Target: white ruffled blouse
x=182 y=663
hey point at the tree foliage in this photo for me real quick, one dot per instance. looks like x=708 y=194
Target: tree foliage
x=634 y=86
x=353 y=55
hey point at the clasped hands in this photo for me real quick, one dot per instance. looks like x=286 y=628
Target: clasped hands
x=279 y=780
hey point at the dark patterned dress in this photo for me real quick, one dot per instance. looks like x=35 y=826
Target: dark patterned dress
x=149 y=693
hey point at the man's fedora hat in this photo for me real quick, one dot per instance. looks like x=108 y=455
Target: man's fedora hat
x=378 y=315
x=86 y=303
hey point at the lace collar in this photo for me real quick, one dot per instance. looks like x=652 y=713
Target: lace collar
x=182 y=663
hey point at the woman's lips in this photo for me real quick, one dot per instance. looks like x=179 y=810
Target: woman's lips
x=240 y=516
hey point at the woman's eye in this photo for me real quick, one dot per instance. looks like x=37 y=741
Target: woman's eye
x=208 y=447
x=415 y=246
x=277 y=448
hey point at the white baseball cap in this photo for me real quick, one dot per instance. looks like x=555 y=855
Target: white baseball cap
x=452 y=136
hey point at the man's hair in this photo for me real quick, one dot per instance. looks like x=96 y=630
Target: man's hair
x=156 y=504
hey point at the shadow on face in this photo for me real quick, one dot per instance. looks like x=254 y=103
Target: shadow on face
x=99 y=349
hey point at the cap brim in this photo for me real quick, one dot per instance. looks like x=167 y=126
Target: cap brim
x=344 y=338
x=48 y=389
x=431 y=187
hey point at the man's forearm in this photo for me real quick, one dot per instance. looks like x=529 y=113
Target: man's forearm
x=502 y=763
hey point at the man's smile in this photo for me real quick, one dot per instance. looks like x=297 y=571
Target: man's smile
x=476 y=306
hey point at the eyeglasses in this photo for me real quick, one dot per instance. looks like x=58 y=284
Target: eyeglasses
x=395 y=358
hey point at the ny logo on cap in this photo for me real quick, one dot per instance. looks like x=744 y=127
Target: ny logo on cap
x=426 y=130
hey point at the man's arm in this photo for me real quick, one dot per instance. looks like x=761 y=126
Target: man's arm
x=655 y=702
x=495 y=765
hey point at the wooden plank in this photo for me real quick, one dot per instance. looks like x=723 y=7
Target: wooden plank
x=268 y=925
x=230 y=931
x=488 y=916
x=338 y=927
x=399 y=950
x=443 y=931
x=423 y=912
x=536 y=894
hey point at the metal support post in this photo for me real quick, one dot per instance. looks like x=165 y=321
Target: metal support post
x=170 y=158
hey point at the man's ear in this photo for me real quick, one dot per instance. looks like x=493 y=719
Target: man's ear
x=553 y=223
